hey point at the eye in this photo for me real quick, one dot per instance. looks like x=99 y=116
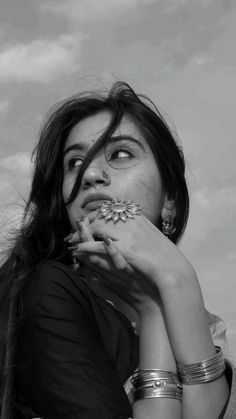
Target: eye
x=75 y=162
x=121 y=153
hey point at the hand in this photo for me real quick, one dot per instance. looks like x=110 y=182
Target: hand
x=104 y=260
x=139 y=258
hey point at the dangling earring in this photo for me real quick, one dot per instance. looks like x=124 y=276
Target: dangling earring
x=168 y=215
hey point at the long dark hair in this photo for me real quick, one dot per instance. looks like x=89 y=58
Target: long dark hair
x=45 y=222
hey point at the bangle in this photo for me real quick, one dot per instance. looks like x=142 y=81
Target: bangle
x=156 y=384
x=202 y=372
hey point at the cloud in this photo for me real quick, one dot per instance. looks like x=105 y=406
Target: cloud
x=15 y=175
x=41 y=60
x=216 y=199
x=211 y=226
x=170 y=6
x=215 y=206
x=4 y=106
x=19 y=163
x=93 y=10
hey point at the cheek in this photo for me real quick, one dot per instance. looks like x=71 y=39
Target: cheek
x=74 y=213
x=147 y=182
x=67 y=187
x=64 y=193
x=149 y=193
x=73 y=210
x=70 y=214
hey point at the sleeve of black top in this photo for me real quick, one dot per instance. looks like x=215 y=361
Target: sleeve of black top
x=64 y=370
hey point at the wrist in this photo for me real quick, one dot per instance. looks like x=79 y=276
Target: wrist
x=155 y=348
x=181 y=288
x=186 y=320
x=174 y=279
x=150 y=310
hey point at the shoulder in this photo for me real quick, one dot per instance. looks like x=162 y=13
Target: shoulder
x=52 y=281
x=54 y=273
x=52 y=267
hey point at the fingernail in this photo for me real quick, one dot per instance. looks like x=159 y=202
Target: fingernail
x=67 y=238
x=107 y=241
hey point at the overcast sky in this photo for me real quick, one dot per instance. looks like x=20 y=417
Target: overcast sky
x=181 y=53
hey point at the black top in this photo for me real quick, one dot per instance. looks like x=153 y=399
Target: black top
x=75 y=350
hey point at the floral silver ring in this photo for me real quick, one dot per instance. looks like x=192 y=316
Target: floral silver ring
x=118 y=209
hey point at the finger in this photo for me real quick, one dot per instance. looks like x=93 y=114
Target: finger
x=117 y=258
x=107 y=246
x=72 y=238
x=92 y=252
x=99 y=228
x=90 y=247
x=84 y=230
x=93 y=260
x=82 y=233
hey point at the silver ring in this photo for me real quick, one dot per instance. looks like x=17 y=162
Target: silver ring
x=118 y=209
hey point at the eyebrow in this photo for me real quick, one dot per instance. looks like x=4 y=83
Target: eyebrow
x=76 y=146
x=113 y=139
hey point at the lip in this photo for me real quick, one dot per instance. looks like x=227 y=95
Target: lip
x=93 y=200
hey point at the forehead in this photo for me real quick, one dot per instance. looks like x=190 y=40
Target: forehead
x=91 y=128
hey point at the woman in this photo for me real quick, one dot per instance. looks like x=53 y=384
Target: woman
x=109 y=194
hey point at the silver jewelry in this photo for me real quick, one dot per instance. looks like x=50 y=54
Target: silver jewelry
x=168 y=215
x=170 y=393
x=168 y=227
x=118 y=209
x=202 y=372
x=156 y=384
x=105 y=175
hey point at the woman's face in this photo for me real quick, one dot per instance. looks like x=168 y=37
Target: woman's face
x=124 y=169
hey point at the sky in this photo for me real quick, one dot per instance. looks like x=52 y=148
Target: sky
x=178 y=52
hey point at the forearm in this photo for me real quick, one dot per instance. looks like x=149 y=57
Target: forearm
x=155 y=353
x=188 y=330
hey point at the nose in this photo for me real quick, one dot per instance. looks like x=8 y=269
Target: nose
x=95 y=175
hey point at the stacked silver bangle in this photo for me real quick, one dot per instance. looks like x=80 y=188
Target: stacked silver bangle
x=204 y=371
x=156 y=383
